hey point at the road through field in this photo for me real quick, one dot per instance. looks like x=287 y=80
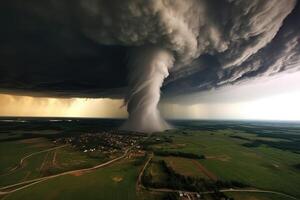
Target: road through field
x=260 y=191
x=21 y=162
x=224 y=190
x=140 y=185
x=139 y=180
x=39 y=180
x=38 y=152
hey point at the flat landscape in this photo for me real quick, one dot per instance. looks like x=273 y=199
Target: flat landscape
x=91 y=159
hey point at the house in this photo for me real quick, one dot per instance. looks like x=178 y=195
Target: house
x=180 y=194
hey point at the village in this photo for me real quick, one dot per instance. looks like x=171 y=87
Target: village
x=106 y=142
x=197 y=195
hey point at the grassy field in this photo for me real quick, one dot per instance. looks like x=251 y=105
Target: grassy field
x=11 y=152
x=114 y=182
x=156 y=172
x=68 y=159
x=262 y=167
x=41 y=164
x=253 y=157
x=255 y=196
x=187 y=167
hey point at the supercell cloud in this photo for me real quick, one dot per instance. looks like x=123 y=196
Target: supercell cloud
x=99 y=48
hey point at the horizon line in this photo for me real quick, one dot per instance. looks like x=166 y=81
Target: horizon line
x=168 y=119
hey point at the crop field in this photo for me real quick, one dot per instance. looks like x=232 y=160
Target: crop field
x=254 y=196
x=40 y=162
x=66 y=158
x=11 y=152
x=189 y=167
x=228 y=158
x=196 y=157
x=156 y=172
x=114 y=182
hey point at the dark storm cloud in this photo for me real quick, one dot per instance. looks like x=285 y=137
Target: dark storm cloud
x=80 y=48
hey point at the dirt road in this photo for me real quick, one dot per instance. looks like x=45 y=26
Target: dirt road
x=39 y=180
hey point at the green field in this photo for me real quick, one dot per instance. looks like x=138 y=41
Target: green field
x=262 y=167
x=258 y=158
x=186 y=167
x=254 y=196
x=41 y=164
x=11 y=152
x=113 y=182
x=156 y=172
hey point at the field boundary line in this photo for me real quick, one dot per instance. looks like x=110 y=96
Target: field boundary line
x=20 y=164
x=38 y=180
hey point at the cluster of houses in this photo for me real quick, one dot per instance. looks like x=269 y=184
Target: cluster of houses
x=189 y=195
x=196 y=195
x=104 y=142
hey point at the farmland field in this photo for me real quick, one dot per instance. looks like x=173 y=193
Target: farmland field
x=157 y=173
x=101 y=184
x=220 y=158
x=188 y=167
x=41 y=162
x=229 y=158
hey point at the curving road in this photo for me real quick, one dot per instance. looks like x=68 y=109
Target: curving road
x=225 y=190
x=20 y=165
x=260 y=191
x=140 y=185
x=39 y=180
x=38 y=152
x=139 y=180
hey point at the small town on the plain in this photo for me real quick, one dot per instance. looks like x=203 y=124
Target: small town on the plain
x=198 y=160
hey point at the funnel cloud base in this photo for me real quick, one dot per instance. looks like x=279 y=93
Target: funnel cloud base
x=148 y=67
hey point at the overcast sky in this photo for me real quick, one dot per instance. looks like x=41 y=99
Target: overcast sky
x=267 y=99
x=275 y=98
x=209 y=59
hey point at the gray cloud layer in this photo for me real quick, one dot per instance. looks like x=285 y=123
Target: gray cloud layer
x=58 y=48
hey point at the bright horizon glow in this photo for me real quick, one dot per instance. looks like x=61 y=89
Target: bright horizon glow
x=272 y=99
x=280 y=107
x=275 y=98
x=57 y=107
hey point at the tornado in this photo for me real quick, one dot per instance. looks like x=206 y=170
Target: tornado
x=148 y=67
x=203 y=44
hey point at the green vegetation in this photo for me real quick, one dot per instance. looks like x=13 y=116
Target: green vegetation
x=11 y=152
x=113 y=182
x=163 y=174
x=178 y=154
x=186 y=167
x=206 y=156
x=297 y=166
x=254 y=196
x=227 y=157
x=67 y=159
x=155 y=175
x=40 y=164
